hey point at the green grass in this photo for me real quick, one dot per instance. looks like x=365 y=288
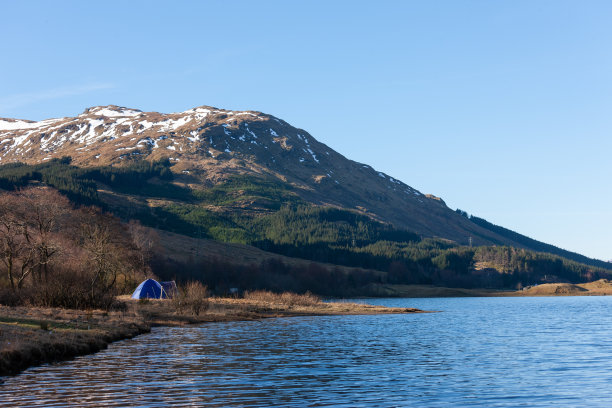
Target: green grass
x=244 y=188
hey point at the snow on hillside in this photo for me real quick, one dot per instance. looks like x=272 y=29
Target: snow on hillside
x=111 y=133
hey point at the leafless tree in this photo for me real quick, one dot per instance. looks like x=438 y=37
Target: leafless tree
x=45 y=209
x=76 y=256
x=17 y=252
x=146 y=241
x=110 y=253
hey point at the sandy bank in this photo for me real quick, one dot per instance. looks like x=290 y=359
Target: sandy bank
x=602 y=287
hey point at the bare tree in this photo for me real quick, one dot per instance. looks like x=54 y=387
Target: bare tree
x=97 y=242
x=146 y=241
x=45 y=209
x=76 y=256
x=110 y=253
x=16 y=250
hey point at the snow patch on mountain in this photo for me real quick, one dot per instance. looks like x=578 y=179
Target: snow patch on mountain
x=112 y=111
x=198 y=114
x=16 y=124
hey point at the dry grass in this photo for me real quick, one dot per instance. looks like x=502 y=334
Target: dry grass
x=554 y=289
x=32 y=336
x=285 y=298
x=193 y=296
x=601 y=287
x=261 y=306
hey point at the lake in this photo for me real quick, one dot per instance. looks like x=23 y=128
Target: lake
x=493 y=352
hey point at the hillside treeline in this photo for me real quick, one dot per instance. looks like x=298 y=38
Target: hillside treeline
x=532 y=243
x=287 y=225
x=81 y=184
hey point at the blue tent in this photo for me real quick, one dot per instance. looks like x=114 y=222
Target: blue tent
x=149 y=289
x=169 y=288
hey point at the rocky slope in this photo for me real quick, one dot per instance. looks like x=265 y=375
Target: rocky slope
x=207 y=145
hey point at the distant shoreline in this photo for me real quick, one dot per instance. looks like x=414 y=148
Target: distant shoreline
x=602 y=287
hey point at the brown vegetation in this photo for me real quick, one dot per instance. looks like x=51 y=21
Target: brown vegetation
x=52 y=254
x=285 y=298
x=31 y=336
x=193 y=296
x=602 y=287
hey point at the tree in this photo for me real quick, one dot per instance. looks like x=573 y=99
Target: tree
x=43 y=208
x=109 y=251
x=17 y=252
x=146 y=241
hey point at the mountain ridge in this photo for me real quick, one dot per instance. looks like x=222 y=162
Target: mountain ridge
x=207 y=145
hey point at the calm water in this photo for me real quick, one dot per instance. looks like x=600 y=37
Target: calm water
x=477 y=352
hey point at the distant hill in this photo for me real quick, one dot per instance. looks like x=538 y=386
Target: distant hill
x=250 y=178
x=208 y=146
x=538 y=245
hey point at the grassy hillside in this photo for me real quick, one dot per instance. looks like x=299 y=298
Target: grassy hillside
x=269 y=215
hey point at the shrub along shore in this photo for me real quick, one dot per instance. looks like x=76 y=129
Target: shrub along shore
x=31 y=336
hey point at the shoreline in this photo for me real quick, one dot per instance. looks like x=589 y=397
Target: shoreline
x=602 y=287
x=32 y=336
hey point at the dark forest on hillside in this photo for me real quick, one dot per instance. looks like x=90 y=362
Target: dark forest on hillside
x=532 y=243
x=289 y=226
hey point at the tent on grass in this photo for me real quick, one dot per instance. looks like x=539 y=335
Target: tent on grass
x=149 y=289
x=170 y=288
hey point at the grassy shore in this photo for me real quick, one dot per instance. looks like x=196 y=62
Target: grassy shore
x=31 y=336
x=34 y=336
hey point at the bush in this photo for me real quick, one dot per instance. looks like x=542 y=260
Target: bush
x=11 y=298
x=71 y=290
x=193 y=296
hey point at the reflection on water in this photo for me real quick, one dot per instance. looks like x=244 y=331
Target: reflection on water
x=477 y=352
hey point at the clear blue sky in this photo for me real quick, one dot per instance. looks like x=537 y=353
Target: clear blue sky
x=502 y=108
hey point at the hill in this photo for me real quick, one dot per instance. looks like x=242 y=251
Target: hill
x=208 y=146
x=253 y=181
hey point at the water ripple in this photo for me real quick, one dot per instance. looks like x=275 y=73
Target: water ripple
x=494 y=352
